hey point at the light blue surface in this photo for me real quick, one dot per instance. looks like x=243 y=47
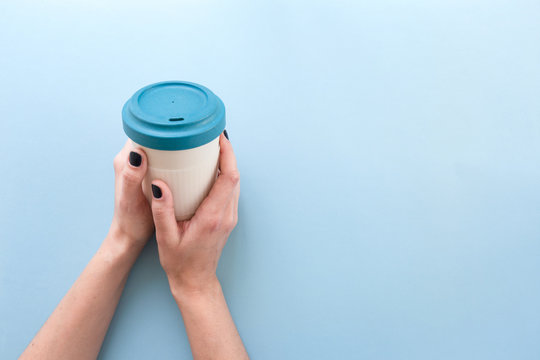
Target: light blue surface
x=173 y=115
x=389 y=155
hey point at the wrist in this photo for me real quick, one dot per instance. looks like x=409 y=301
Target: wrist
x=185 y=293
x=117 y=248
x=122 y=241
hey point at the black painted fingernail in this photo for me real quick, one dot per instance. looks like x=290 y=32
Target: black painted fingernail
x=226 y=135
x=135 y=159
x=156 y=191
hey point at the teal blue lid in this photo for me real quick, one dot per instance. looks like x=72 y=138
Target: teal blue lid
x=173 y=115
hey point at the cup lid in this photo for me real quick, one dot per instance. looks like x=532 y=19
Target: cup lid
x=173 y=115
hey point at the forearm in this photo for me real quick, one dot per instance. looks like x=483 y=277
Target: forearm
x=209 y=325
x=78 y=325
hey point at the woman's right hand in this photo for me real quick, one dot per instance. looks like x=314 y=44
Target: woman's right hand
x=189 y=250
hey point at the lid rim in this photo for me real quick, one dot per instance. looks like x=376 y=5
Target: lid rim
x=157 y=131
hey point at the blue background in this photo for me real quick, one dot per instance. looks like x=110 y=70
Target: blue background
x=389 y=154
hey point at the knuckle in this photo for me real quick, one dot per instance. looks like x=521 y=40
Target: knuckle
x=117 y=163
x=213 y=223
x=233 y=177
x=162 y=211
x=230 y=224
x=216 y=222
x=130 y=177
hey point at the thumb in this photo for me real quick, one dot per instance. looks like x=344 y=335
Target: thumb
x=130 y=175
x=163 y=212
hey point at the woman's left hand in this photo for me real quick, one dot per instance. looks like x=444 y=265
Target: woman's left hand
x=77 y=327
x=132 y=223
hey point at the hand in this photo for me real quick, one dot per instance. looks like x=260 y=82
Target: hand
x=189 y=250
x=77 y=327
x=132 y=223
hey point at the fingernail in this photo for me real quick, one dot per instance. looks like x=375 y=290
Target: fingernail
x=226 y=135
x=156 y=191
x=135 y=159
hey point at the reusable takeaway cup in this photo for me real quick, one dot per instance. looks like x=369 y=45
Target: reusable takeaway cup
x=177 y=124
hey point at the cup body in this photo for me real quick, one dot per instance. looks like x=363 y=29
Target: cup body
x=189 y=174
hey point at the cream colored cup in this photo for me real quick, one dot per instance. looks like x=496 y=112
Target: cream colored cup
x=189 y=174
x=177 y=124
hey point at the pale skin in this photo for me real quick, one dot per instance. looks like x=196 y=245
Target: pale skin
x=189 y=252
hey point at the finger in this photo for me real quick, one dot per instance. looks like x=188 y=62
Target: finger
x=227 y=160
x=120 y=158
x=130 y=173
x=232 y=208
x=230 y=217
x=236 y=197
x=228 y=179
x=163 y=212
